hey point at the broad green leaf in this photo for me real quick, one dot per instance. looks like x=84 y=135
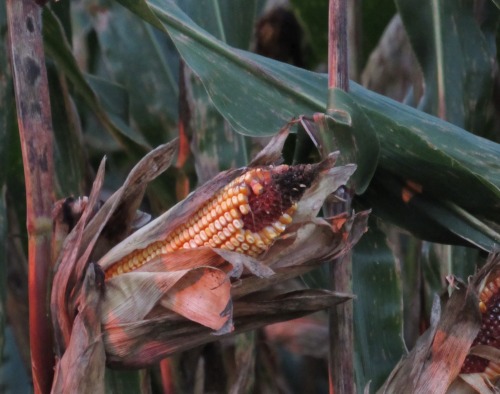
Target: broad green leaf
x=375 y=16
x=356 y=139
x=58 y=49
x=429 y=218
x=231 y=21
x=69 y=155
x=233 y=79
x=62 y=11
x=357 y=142
x=314 y=16
x=407 y=249
x=215 y=145
x=3 y=273
x=448 y=162
x=114 y=97
x=145 y=65
x=6 y=93
x=384 y=196
x=5 y=86
x=497 y=3
x=455 y=57
x=12 y=372
x=459 y=222
x=439 y=261
x=378 y=309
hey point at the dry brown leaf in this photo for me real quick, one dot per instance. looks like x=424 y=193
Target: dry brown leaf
x=438 y=355
x=448 y=358
x=81 y=242
x=141 y=343
x=81 y=369
x=66 y=275
x=481 y=368
x=75 y=300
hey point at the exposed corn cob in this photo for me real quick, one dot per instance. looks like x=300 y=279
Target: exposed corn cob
x=489 y=333
x=245 y=216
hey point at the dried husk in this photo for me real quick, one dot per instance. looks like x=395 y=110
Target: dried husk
x=435 y=363
x=76 y=297
x=181 y=299
x=481 y=382
x=204 y=286
x=81 y=243
x=81 y=369
x=141 y=343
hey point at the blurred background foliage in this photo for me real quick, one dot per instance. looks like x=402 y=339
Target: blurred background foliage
x=124 y=79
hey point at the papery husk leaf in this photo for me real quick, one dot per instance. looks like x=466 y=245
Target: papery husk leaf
x=437 y=358
x=488 y=352
x=311 y=245
x=140 y=341
x=143 y=343
x=183 y=260
x=313 y=198
x=118 y=213
x=81 y=369
x=203 y=296
x=80 y=243
x=65 y=214
x=473 y=383
x=291 y=302
x=65 y=275
x=240 y=262
x=200 y=294
x=481 y=382
x=328 y=181
x=175 y=300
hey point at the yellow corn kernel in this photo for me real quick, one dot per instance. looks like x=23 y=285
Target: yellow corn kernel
x=244 y=209
x=219 y=223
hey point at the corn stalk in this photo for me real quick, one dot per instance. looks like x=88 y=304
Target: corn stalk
x=35 y=130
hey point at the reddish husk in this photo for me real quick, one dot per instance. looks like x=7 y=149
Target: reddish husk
x=179 y=300
x=459 y=353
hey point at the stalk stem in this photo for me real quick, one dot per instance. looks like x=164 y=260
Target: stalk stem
x=341 y=350
x=35 y=130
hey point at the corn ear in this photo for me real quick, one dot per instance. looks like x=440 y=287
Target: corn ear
x=245 y=216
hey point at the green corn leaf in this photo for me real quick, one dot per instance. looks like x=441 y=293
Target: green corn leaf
x=378 y=309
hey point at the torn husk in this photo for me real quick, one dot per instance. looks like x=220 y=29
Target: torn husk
x=81 y=369
x=203 y=284
x=481 y=368
x=459 y=353
x=86 y=239
x=181 y=293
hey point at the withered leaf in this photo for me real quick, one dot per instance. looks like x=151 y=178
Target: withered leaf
x=81 y=368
